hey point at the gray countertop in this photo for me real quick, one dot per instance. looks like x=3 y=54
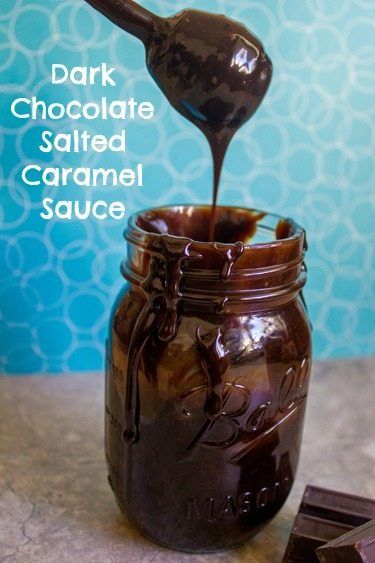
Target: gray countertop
x=56 y=505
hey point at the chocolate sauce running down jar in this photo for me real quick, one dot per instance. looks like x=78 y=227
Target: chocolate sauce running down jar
x=208 y=365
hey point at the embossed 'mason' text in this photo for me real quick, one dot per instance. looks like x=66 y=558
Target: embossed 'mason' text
x=212 y=509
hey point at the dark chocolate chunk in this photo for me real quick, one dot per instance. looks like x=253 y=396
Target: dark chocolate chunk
x=323 y=516
x=310 y=532
x=357 y=545
x=337 y=506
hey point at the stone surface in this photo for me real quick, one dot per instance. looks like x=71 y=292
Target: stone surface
x=56 y=505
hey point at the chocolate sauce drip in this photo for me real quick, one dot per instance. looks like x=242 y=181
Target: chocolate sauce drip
x=174 y=252
x=214 y=360
x=160 y=316
x=215 y=363
x=230 y=255
x=140 y=335
x=211 y=68
x=215 y=73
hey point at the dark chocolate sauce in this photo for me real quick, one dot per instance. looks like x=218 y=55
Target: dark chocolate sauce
x=215 y=364
x=210 y=349
x=211 y=68
x=160 y=313
x=163 y=293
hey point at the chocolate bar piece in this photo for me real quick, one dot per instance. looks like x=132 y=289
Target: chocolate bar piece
x=310 y=532
x=340 y=507
x=323 y=516
x=358 y=545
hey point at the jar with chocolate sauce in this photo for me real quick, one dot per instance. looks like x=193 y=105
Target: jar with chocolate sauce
x=208 y=364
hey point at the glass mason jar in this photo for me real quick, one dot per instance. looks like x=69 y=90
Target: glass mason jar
x=208 y=364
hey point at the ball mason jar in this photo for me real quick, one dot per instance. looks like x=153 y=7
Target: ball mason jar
x=207 y=372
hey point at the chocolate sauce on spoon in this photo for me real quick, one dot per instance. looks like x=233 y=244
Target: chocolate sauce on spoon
x=211 y=68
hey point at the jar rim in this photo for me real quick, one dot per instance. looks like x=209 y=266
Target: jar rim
x=134 y=232
x=206 y=271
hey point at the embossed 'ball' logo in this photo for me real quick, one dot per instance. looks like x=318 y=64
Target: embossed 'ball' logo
x=239 y=416
x=224 y=430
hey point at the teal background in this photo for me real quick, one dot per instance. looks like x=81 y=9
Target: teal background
x=307 y=153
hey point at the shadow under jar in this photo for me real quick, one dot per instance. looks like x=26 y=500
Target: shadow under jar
x=208 y=364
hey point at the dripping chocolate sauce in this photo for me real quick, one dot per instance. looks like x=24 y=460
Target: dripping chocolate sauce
x=216 y=380
x=211 y=69
x=215 y=73
x=163 y=291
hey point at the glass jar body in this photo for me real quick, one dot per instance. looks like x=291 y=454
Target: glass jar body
x=201 y=477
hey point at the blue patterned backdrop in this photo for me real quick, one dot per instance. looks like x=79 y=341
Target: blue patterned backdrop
x=307 y=154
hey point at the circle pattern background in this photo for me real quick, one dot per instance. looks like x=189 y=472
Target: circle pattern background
x=308 y=153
